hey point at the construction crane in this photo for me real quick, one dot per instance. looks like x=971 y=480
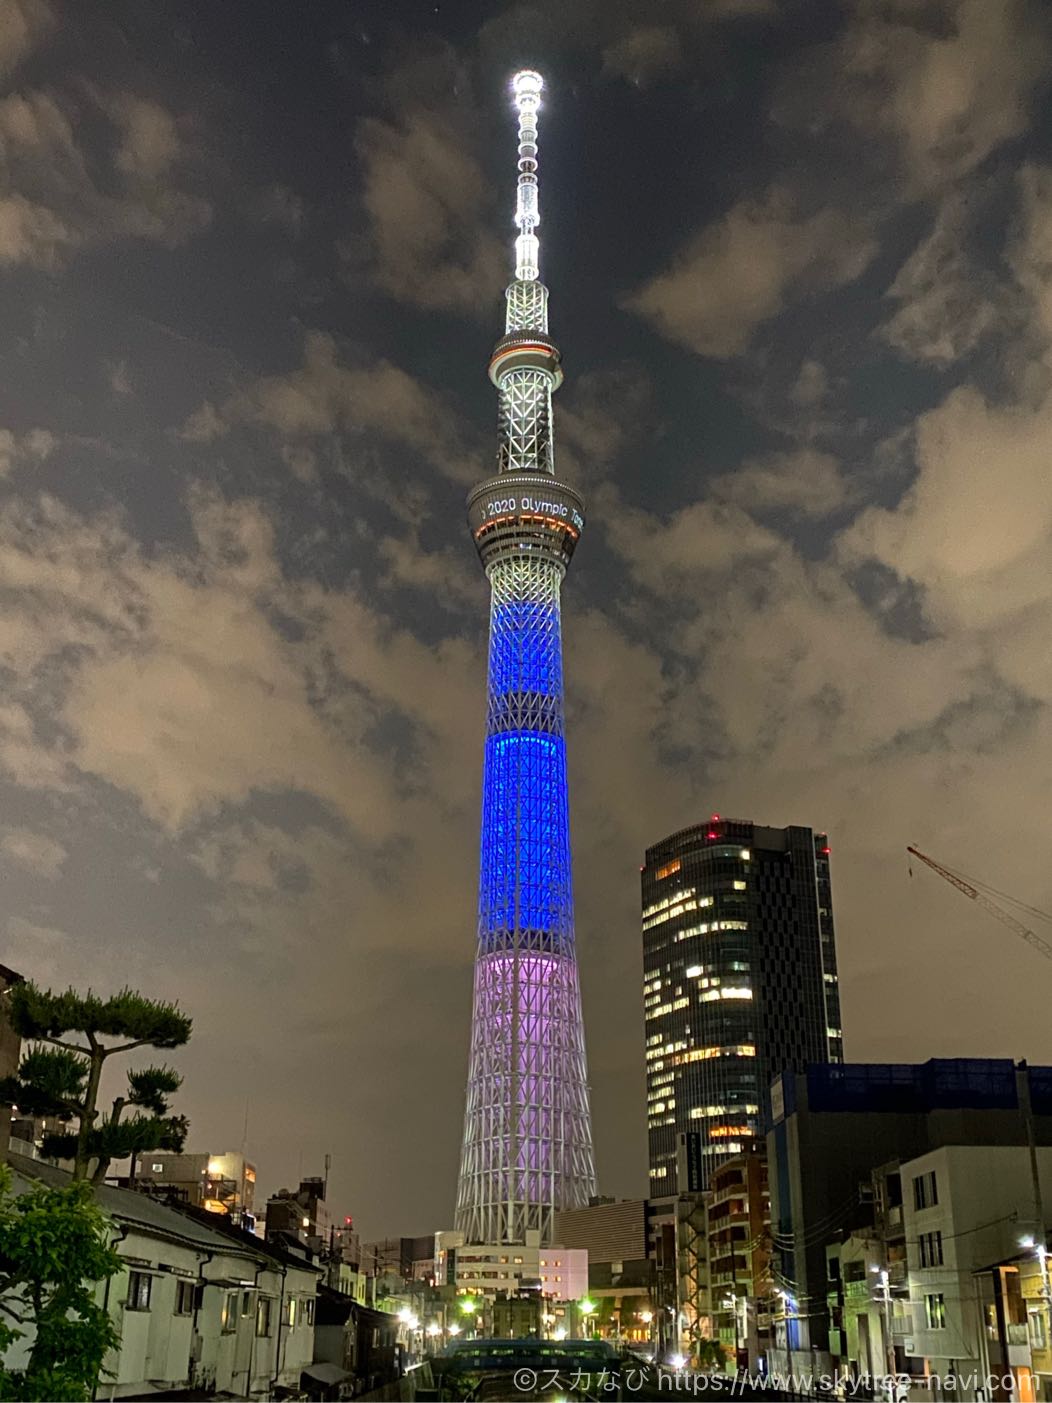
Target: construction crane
x=962 y=884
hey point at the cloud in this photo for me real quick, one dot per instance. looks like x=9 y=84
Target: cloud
x=428 y=240
x=742 y=270
x=611 y=30
x=597 y=415
x=281 y=207
x=702 y=539
x=803 y=483
x=40 y=952
x=947 y=301
x=19 y=449
x=61 y=197
x=975 y=530
x=119 y=378
x=642 y=55
x=149 y=141
x=1031 y=252
x=950 y=83
x=178 y=682
x=34 y=851
x=811 y=385
x=327 y=396
x=22 y=24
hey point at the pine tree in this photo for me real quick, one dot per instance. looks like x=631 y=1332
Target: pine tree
x=72 y=1036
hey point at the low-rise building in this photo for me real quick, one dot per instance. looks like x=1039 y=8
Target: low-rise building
x=360 y=1343
x=223 y=1182
x=677 y=1239
x=740 y=1286
x=482 y=1269
x=620 y=1269
x=859 y=1135
x=194 y=1307
x=966 y=1206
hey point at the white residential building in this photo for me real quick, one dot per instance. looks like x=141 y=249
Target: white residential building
x=195 y=1307
x=965 y=1207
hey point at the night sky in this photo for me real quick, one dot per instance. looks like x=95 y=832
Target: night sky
x=252 y=259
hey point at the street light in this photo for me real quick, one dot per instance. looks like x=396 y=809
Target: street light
x=731 y=1303
x=434 y=1329
x=454 y=1328
x=587 y=1308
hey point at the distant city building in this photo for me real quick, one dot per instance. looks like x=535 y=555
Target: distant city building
x=300 y=1213
x=484 y=1269
x=739 y=1254
x=408 y=1258
x=620 y=1269
x=677 y=1242
x=222 y=1183
x=355 y=1343
x=739 y=982
x=518 y=1315
x=1013 y=1298
x=928 y=1168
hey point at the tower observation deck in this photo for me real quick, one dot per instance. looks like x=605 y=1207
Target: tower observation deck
x=527 y=1149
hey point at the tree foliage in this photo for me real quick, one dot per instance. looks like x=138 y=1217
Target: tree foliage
x=61 y=1073
x=54 y=1250
x=709 y=1354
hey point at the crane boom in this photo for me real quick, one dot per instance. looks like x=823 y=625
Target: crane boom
x=1031 y=937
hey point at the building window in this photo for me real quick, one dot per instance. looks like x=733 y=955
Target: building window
x=231 y=1306
x=308 y=1312
x=156 y=1168
x=246 y=1303
x=184 y=1298
x=935 y=1311
x=290 y=1312
x=925 y=1190
x=264 y=1308
x=931 y=1249
x=140 y=1284
x=1038 y=1338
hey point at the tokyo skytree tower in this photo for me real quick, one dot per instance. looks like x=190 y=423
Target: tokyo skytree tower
x=527 y=1148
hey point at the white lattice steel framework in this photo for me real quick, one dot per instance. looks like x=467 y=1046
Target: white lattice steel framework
x=527 y=1132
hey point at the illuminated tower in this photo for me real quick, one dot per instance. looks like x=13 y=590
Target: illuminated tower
x=527 y=1129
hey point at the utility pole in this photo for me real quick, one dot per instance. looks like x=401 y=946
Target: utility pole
x=889 y=1344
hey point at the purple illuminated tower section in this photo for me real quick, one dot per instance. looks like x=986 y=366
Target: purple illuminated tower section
x=527 y=1148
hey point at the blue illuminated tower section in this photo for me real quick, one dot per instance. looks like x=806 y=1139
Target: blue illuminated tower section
x=527 y=1148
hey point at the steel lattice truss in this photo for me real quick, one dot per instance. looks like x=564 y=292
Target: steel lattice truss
x=527 y=1139
x=527 y=1133
x=524 y=422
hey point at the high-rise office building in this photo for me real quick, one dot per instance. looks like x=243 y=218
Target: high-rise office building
x=739 y=983
x=527 y=1149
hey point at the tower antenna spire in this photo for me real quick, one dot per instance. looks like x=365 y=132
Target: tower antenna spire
x=527 y=87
